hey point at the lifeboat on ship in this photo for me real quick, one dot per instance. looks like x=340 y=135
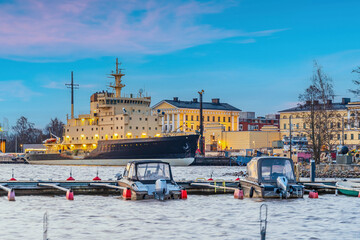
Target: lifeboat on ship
x=50 y=140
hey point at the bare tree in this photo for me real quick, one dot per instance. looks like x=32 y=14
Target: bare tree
x=56 y=127
x=356 y=82
x=319 y=113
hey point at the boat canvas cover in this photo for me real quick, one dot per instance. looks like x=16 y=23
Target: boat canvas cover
x=268 y=169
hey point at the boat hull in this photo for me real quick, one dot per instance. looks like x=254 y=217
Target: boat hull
x=254 y=190
x=349 y=188
x=177 y=150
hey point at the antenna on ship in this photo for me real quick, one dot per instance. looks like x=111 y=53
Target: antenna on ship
x=117 y=75
x=72 y=86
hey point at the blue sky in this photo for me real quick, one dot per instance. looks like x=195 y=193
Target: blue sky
x=256 y=55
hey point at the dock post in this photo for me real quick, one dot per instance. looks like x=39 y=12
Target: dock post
x=312 y=170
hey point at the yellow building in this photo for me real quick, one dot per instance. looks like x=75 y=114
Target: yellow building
x=348 y=134
x=221 y=130
x=184 y=116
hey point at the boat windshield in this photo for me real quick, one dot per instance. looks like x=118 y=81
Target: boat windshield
x=153 y=171
x=273 y=168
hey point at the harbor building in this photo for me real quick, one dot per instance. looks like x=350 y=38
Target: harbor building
x=112 y=116
x=348 y=126
x=184 y=116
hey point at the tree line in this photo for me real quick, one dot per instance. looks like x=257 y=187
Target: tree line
x=25 y=132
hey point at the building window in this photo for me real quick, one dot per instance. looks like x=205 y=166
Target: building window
x=145 y=119
x=192 y=118
x=186 y=117
x=77 y=130
x=111 y=128
x=297 y=126
x=140 y=119
x=130 y=127
x=223 y=119
x=229 y=119
x=67 y=130
x=229 y=129
x=155 y=128
x=117 y=127
x=352 y=136
x=110 y=119
x=121 y=127
x=121 y=118
x=102 y=128
x=218 y=119
x=338 y=125
x=137 y=128
x=345 y=136
x=304 y=126
x=208 y=119
x=197 y=118
x=284 y=125
x=213 y=119
x=358 y=136
x=339 y=136
x=143 y=128
x=117 y=118
x=149 y=128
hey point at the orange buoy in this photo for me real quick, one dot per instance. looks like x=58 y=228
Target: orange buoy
x=239 y=194
x=127 y=194
x=183 y=194
x=70 y=195
x=313 y=194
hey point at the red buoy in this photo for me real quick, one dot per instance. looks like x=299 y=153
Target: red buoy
x=70 y=179
x=11 y=195
x=127 y=194
x=183 y=194
x=359 y=194
x=210 y=179
x=70 y=195
x=12 y=176
x=238 y=179
x=313 y=195
x=96 y=178
x=239 y=194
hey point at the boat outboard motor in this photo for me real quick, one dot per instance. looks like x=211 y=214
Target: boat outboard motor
x=160 y=189
x=282 y=183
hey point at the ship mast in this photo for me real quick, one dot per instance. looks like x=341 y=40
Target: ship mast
x=118 y=85
x=72 y=86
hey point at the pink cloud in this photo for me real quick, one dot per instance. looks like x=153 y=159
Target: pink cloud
x=87 y=28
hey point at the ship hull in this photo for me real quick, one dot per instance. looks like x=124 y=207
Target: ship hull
x=176 y=150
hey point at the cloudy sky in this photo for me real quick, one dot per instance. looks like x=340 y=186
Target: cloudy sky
x=256 y=55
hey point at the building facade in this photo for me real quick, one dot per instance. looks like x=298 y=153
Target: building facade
x=248 y=121
x=184 y=116
x=348 y=128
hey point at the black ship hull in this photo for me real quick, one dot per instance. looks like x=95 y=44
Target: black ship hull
x=177 y=150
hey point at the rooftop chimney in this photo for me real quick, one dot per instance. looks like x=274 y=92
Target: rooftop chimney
x=195 y=100
x=176 y=99
x=215 y=100
x=345 y=101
